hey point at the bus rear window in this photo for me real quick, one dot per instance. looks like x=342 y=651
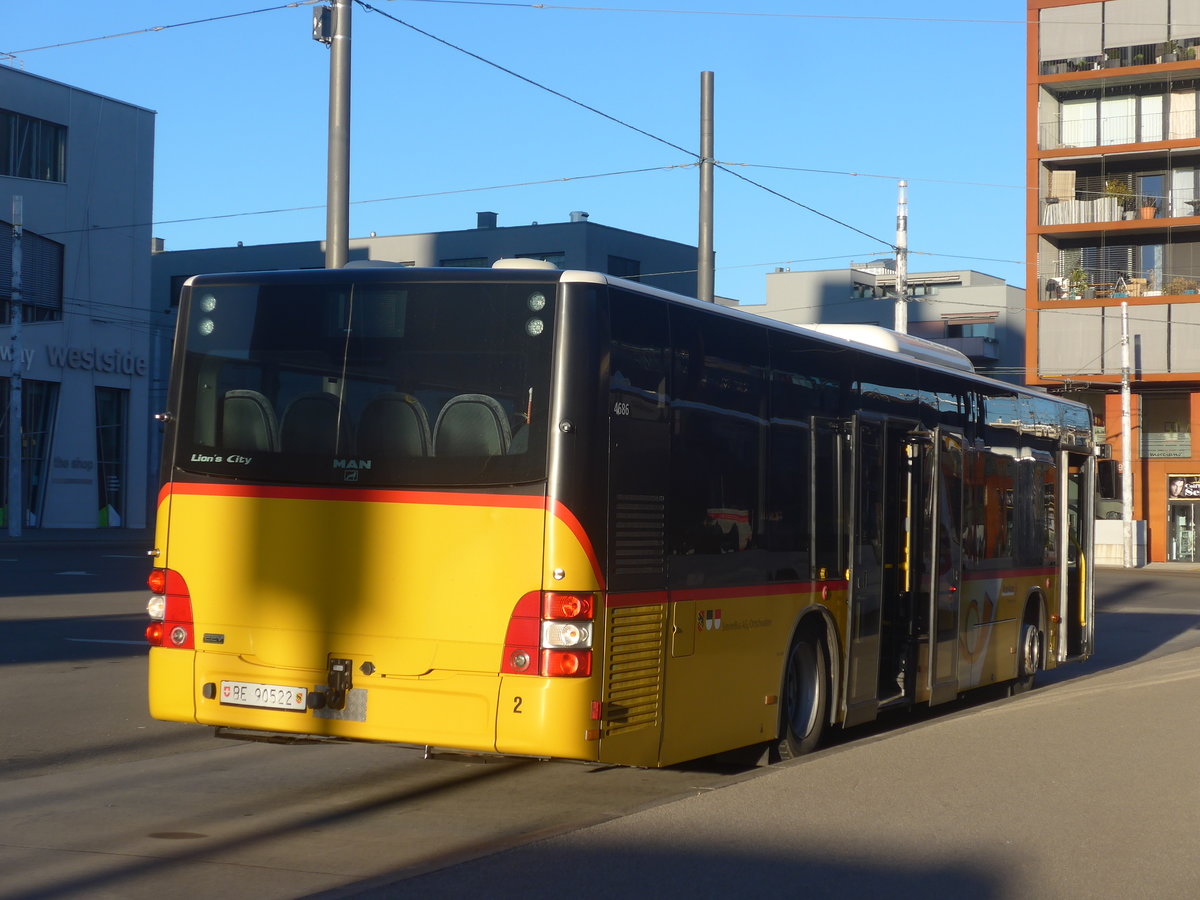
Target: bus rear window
x=389 y=384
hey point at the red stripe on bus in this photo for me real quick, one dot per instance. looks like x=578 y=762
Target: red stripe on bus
x=343 y=495
x=641 y=598
x=564 y=515
x=652 y=598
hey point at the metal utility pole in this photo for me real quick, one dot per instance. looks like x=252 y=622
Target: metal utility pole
x=1126 y=445
x=704 y=268
x=902 y=259
x=337 y=202
x=15 y=512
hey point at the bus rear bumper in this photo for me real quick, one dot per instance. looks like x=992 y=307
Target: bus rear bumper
x=474 y=712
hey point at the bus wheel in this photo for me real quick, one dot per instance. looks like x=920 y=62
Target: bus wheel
x=1029 y=658
x=805 y=698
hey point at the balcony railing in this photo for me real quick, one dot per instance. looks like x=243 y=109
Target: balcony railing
x=1096 y=283
x=1104 y=131
x=1089 y=207
x=1122 y=57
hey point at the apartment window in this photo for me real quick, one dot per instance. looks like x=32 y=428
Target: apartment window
x=32 y=148
x=971 y=328
x=41 y=276
x=465 y=262
x=1150 y=265
x=1166 y=426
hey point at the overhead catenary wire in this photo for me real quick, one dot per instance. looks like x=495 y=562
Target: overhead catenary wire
x=13 y=54
x=537 y=84
x=369 y=8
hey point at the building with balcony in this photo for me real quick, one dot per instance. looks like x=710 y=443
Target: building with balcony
x=76 y=170
x=1113 y=219
x=979 y=315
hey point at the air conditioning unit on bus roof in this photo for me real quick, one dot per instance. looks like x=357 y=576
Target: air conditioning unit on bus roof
x=896 y=342
x=523 y=264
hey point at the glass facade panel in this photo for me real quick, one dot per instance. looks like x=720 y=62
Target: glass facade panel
x=112 y=413
x=39 y=401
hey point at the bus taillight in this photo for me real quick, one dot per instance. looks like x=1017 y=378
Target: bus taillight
x=550 y=634
x=170 y=611
x=567 y=606
x=568 y=663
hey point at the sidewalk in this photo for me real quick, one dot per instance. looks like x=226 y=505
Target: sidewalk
x=1080 y=789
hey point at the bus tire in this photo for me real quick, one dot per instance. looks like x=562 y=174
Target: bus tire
x=805 y=698
x=1029 y=651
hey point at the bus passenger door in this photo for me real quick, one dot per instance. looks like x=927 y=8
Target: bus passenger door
x=868 y=534
x=638 y=618
x=1076 y=595
x=943 y=515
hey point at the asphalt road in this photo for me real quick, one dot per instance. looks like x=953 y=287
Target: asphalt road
x=98 y=800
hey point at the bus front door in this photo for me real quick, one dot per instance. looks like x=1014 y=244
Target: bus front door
x=1076 y=594
x=942 y=520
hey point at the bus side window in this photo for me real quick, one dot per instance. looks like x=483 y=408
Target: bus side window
x=638 y=356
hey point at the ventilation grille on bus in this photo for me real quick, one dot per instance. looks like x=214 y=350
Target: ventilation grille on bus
x=634 y=668
x=639 y=534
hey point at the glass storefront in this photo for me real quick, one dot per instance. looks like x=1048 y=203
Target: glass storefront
x=1183 y=512
x=39 y=400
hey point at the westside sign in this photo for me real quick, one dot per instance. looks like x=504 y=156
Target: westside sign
x=122 y=362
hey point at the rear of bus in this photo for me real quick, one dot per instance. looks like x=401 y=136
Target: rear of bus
x=357 y=532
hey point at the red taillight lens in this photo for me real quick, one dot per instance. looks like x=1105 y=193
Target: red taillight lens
x=157 y=581
x=170 y=608
x=567 y=663
x=567 y=606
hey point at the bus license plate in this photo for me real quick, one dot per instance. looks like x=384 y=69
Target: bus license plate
x=263 y=696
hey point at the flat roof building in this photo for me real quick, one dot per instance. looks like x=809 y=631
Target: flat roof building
x=77 y=169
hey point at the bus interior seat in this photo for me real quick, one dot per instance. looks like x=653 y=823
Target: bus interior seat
x=471 y=425
x=248 y=422
x=314 y=423
x=394 y=424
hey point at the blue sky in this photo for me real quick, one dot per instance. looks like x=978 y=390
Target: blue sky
x=827 y=104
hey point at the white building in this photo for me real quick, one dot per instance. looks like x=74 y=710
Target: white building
x=81 y=167
x=979 y=315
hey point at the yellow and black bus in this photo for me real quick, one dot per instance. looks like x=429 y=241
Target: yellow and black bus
x=558 y=514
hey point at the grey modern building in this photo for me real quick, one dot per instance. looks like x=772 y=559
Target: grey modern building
x=76 y=170
x=979 y=315
x=574 y=244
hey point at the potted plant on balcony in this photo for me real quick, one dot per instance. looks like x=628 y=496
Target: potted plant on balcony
x=1170 y=52
x=1181 y=285
x=1148 y=207
x=1118 y=189
x=1077 y=284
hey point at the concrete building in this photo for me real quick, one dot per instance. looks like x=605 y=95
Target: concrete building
x=979 y=315
x=1113 y=150
x=81 y=167
x=575 y=244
